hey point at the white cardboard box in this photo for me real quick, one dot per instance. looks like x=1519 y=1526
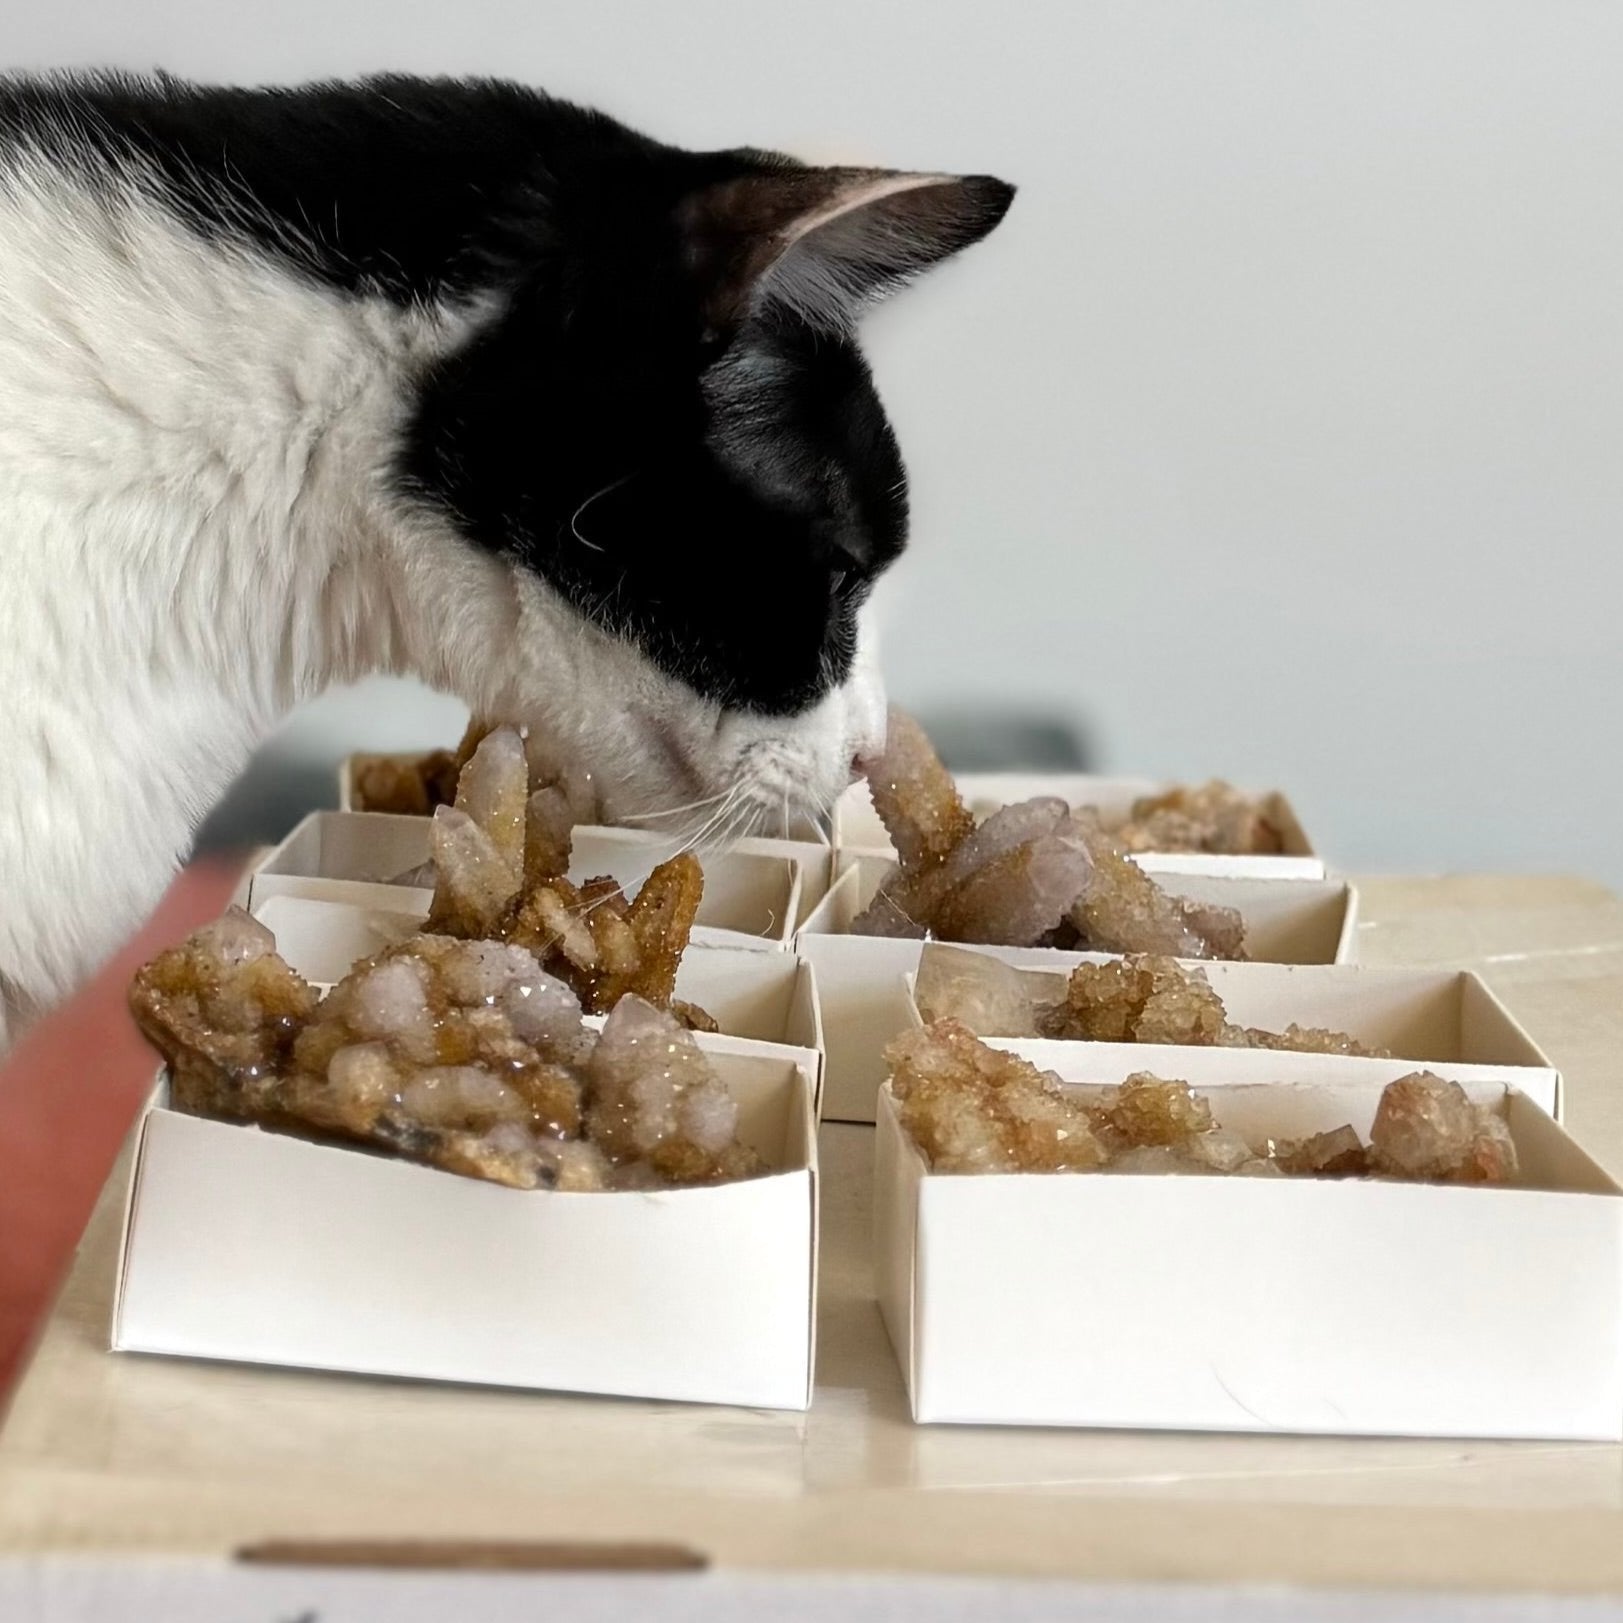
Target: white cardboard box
x=751 y=898
x=805 y=845
x=1253 y=1304
x=864 y=997
x=1304 y=921
x=857 y=826
x=755 y=997
x=258 y=1247
x=1444 y=1020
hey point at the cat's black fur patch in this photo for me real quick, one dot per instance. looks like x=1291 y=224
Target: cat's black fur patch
x=721 y=489
x=415 y=188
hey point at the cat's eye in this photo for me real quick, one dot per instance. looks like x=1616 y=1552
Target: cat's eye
x=848 y=586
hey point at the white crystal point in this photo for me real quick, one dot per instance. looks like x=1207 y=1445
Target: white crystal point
x=1018 y=897
x=549 y=832
x=1005 y=830
x=545 y=1012
x=979 y=991
x=493 y=790
x=634 y=1019
x=650 y=1081
x=474 y=877
x=392 y=1001
x=236 y=937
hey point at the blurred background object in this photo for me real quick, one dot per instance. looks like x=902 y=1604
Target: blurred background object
x=1275 y=435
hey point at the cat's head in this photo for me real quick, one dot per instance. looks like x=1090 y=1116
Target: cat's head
x=671 y=439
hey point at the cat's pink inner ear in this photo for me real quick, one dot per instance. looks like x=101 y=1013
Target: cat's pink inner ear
x=825 y=242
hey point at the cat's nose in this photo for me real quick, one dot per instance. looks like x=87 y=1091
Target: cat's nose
x=868 y=754
x=869 y=749
x=866 y=718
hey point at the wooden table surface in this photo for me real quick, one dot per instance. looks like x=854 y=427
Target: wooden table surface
x=109 y=1453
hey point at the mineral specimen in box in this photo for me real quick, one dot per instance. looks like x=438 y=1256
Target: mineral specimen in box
x=412 y=787
x=1153 y=999
x=381 y=783
x=1429 y=1130
x=1339 y=1153
x=1138 y=998
x=1034 y=873
x=654 y=1101
x=971 y=1108
x=1214 y=817
x=978 y=991
x=1122 y=909
x=463 y=1055
x=916 y=798
x=224 y=1009
x=501 y=858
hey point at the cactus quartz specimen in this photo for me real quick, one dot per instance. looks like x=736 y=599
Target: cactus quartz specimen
x=971 y=1108
x=1215 y=817
x=1035 y=873
x=412 y=787
x=464 y=1055
x=1140 y=998
x=1147 y=999
x=501 y=857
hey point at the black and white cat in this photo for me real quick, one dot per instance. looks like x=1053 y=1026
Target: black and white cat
x=435 y=377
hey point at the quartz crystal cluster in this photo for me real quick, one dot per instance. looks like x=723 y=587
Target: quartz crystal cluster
x=412 y=787
x=1033 y=874
x=1147 y=999
x=501 y=858
x=1214 y=817
x=463 y=1055
x=1428 y=1129
x=971 y=1108
x=1140 y=998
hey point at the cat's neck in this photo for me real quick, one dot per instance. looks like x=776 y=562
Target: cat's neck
x=199 y=535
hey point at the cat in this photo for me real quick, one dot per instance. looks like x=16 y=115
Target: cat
x=447 y=378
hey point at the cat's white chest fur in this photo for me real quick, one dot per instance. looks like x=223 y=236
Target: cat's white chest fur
x=188 y=440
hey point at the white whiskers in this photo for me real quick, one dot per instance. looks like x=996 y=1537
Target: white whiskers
x=672 y=811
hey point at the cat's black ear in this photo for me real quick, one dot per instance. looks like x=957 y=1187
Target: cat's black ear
x=826 y=242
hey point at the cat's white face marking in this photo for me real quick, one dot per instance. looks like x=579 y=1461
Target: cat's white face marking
x=630 y=742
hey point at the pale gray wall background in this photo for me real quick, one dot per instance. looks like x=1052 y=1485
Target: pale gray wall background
x=1277 y=432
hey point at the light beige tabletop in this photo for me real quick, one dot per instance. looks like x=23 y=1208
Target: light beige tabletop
x=122 y=1453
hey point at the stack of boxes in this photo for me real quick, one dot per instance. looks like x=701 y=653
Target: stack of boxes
x=1236 y=1304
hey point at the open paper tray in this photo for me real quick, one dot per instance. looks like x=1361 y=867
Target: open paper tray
x=755 y=997
x=800 y=830
x=804 y=844
x=751 y=898
x=1253 y=1304
x=258 y=1247
x=857 y=827
x=860 y=979
x=1303 y=921
x=1445 y=1021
